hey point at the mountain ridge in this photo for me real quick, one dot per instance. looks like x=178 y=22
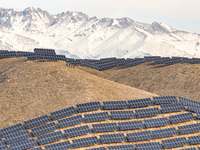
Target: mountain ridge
x=77 y=35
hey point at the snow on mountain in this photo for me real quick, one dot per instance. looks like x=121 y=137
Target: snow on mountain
x=75 y=34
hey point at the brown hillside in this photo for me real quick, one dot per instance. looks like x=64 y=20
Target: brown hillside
x=29 y=89
x=179 y=79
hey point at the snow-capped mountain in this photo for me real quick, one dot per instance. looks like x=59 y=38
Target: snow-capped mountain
x=77 y=35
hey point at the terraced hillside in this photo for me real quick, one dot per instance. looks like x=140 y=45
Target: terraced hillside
x=29 y=89
x=142 y=124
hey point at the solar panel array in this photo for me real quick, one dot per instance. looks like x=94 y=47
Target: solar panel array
x=149 y=146
x=175 y=142
x=54 y=131
x=101 y=64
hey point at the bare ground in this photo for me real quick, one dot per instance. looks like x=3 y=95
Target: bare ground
x=179 y=79
x=29 y=89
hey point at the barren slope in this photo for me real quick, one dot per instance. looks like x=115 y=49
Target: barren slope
x=179 y=79
x=29 y=89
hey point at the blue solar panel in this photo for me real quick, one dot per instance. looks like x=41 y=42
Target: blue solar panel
x=165 y=99
x=44 y=129
x=71 y=121
x=198 y=115
x=85 y=141
x=115 y=104
x=194 y=139
x=37 y=148
x=37 y=121
x=112 y=138
x=97 y=117
x=63 y=113
x=121 y=147
x=187 y=101
x=182 y=117
x=156 y=122
x=23 y=144
x=140 y=103
x=4 y=147
x=172 y=107
x=19 y=136
x=193 y=107
x=99 y=148
x=51 y=137
x=189 y=128
x=176 y=142
x=12 y=129
x=149 y=146
x=122 y=114
x=164 y=132
x=73 y=132
x=131 y=125
x=59 y=146
x=139 y=136
x=1 y=142
x=104 y=127
x=89 y=106
x=147 y=112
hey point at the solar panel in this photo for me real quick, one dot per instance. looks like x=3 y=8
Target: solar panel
x=104 y=127
x=1 y=142
x=158 y=122
x=97 y=116
x=115 y=104
x=182 y=117
x=59 y=146
x=176 y=142
x=130 y=125
x=99 y=148
x=139 y=136
x=147 y=112
x=71 y=121
x=37 y=148
x=193 y=108
x=85 y=141
x=37 y=121
x=44 y=51
x=63 y=113
x=44 y=129
x=198 y=115
x=112 y=138
x=73 y=132
x=140 y=103
x=19 y=136
x=122 y=114
x=50 y=137
x=172 y=107
x=121 y=147
x=24 y=144
x=12 y=129
x=194 y=139
x=4 y=147
x=164 y=132
x=89 y=106
x=149 y=146
x=189 y=128
x=187 y=101
x=165 y=99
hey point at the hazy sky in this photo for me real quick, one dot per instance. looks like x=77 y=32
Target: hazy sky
x=180 y=14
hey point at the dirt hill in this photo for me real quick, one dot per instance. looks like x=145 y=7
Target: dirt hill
x=179 y=79
x=29 y=89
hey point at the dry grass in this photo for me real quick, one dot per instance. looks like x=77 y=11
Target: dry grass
x=179 y=79
x=29 y=89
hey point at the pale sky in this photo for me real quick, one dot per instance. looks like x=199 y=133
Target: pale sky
x=180 y=14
